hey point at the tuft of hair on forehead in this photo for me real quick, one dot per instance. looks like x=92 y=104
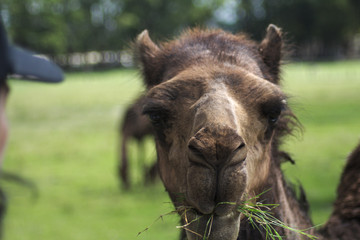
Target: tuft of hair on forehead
x=197 y=45
x=210 y=37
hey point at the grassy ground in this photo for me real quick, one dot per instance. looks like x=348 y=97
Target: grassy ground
x=64 y=139
x=326 y=99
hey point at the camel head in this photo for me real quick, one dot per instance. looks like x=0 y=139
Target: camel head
x=216 y=107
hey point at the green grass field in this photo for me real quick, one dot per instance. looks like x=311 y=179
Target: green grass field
x=64 y=140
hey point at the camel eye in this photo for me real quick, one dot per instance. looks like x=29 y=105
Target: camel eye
x=273 y=116
x=154 y=117
x=272 y=110
x=156 y=114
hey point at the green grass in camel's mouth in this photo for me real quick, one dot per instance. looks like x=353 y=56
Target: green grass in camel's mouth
x=258 y=214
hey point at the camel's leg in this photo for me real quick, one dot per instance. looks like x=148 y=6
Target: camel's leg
x=141 y=163
x=151 y=173
x=123 y=164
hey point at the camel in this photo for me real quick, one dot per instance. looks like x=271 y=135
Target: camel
x=219 y=116
x=136 y=126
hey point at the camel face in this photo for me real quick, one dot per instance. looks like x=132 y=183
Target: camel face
x=215 y=106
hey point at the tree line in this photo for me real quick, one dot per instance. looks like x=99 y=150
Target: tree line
x=322 y=28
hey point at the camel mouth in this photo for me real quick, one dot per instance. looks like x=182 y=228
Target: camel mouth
x=211 y=226
x=217 y=192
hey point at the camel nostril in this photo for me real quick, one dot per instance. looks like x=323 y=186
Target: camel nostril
x=242 y=145
x=195 y=151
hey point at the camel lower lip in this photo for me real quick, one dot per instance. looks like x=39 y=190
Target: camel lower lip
x=213 y=226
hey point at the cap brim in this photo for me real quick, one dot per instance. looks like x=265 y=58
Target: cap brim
x=27 y=65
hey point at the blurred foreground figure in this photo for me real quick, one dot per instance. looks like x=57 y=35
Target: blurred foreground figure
x=25 y=65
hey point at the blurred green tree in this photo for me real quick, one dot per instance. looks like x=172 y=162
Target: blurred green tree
x=36 y=24
x=323 y=26
x=64 y=26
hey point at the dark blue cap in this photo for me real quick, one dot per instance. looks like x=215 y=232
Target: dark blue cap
x=24 y=64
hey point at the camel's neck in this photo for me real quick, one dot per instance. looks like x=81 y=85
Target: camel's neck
x=290 y=211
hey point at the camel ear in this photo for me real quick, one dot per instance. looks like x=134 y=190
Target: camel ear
x=146 y=52
x=271 y=50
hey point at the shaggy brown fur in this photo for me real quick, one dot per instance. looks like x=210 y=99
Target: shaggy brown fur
x=344 y=222
x=219 y=115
